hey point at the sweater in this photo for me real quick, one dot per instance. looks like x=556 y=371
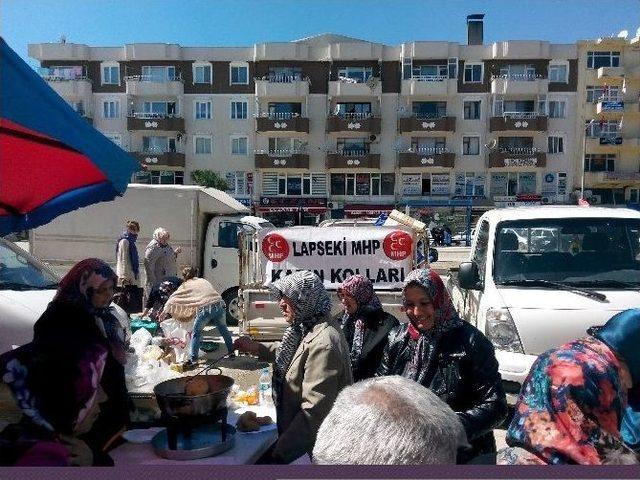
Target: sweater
x=192 y=295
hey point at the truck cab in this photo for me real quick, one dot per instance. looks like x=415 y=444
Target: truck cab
x=539 y=277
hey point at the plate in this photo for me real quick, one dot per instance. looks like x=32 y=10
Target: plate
x=141 y=435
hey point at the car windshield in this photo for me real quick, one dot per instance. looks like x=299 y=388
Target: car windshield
x=19 y=272
x=582 y=252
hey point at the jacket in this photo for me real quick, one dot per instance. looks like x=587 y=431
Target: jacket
x=379 y=324
x=466 y=377
x=159 y=262
x=124 y=268
x=319 y=370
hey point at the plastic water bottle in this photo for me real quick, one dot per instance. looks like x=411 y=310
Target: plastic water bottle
x=264 y=387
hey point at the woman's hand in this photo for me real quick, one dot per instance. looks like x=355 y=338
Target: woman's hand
x=246 y=345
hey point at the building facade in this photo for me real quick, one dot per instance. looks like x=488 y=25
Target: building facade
x=332 y=126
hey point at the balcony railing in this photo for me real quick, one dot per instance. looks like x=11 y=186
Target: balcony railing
x=280 y=123
x=158 y=157
x=272 y=160
x=499 y=159
x=519 y=115
x=352 y=152
x=283 y=78
x=428 y=150
x=518 y=77
x=154 y=78
x=63 y=75
x=155 y=122
x=518 y=121
x=287 y=152
x=518 y=151
x=146 y=115
x=352 y=159
x=419 y=159
x=430 y=78
x=278 y=116
x=354 y=122
x=430 y=124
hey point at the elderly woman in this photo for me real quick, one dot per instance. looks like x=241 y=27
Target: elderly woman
x=127 y=260
x=79 y=316
x=159 y=259
x=365 y=325
x=449 y=356
x=572 y=404
x=59 y=393
x=311 y=364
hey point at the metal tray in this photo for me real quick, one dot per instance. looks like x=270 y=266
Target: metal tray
x=206 y=441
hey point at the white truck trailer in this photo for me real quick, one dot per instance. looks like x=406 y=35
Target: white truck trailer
x=203 y=221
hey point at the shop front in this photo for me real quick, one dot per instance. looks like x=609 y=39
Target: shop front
x=357 y=210
x=290 y=211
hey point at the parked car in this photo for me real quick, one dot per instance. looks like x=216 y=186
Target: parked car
x=27 y=286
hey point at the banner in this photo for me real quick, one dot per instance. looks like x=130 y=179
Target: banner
x=383 y=254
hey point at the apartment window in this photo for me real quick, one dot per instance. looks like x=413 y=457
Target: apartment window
x=284 y=110
x=203 y=145
x=203 y=110
x=472 y=110
x=160 y=74
x=355 y=74
x=241 y=183
x=239 y=145
x=202 y=74
x=159 y=109
x=284 y=74
x=453 y=67
x=111 y=109
x=599 y=162
x=429 y=72
x=357 y=110
x=353 y=146
x=556 y=145
x=471 y=145
x=239 y=74
x=596 y=93
x=429 y=109
x=609 y=128
x=557 y=109
x=558 y=73
x=111 y=75
x=429 y=145
x=473 y=73
x=155 y=144
x=515 y=144
x=238 y=110
x=603 y=59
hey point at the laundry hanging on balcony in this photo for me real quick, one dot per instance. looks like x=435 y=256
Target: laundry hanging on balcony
x=51 y=160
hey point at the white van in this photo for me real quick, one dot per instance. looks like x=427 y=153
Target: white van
x=541 y=276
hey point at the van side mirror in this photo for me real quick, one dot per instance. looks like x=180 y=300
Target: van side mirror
x=433 y=255
x=468 y=277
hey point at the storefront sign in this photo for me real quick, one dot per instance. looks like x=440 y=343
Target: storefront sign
x=245 y=201
x=521 y=162
x=293 y=204
x=383 y=254
x=362 y=209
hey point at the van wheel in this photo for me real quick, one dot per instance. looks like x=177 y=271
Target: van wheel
x=230 y=297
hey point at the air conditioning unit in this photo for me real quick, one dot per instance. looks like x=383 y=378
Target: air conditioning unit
x=595 y=199
x=545 y=200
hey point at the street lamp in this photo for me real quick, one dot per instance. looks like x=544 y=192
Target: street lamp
x=584 y=156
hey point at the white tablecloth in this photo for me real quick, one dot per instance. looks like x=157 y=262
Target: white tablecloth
x=248 y=448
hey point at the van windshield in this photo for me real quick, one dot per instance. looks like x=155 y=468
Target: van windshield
x=581 y=252
x=19 y=272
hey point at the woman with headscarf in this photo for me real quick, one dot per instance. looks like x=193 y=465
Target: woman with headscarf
x=365 y=325
x=572 y=404
x=59 y=393
x=449 y=356
x=311 y=364
x=127 y=260
x=80 y=315
x=159 y=259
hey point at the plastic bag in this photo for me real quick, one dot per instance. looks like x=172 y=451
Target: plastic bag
x=140 y=339
x=178 y=336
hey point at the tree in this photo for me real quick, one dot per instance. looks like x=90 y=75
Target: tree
x=208 y=178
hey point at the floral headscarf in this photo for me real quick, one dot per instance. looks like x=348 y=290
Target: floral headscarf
x=445 y=319
x=311 y=303
x=361 y=289
x=570 y=408
x=77 y=288
x=54 y=387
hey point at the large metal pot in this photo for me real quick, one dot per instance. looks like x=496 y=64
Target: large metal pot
x=174 y=402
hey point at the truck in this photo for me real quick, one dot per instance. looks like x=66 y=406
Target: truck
x=204 y=222
x=538 y=277
x=385 y=254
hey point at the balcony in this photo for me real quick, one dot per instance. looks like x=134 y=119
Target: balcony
x=605 y=144
x=429 y=85
x=282 y=86
x=517 y=157
x=353 y=159
x=281 y=159
x=610 y=73
x=518 y=122
x=519 y=84
x=415 y=124
x=160 y=159
x=352 y=88
x=154 y=86
x=426 y=157
x=282 y=123
x=68 y=82
x=610 y=104
x=155 y=122
x=354 y=123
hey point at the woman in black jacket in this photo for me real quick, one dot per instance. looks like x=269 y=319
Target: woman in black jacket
x=365 y=325
x=449 y=356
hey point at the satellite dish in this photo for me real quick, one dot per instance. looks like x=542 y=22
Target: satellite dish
x=492 y=144
x=623 y=34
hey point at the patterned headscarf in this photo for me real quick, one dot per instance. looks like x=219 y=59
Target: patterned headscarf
x=354 y=326
x=445 y=319
x=54 y=387
x=570 y=408
x=77 y=288
x=311 y=303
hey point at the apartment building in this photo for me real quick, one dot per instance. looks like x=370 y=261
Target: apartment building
x=608 y=163
x=332 y=126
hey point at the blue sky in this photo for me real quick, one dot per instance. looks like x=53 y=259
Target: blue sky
x=245 y=22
